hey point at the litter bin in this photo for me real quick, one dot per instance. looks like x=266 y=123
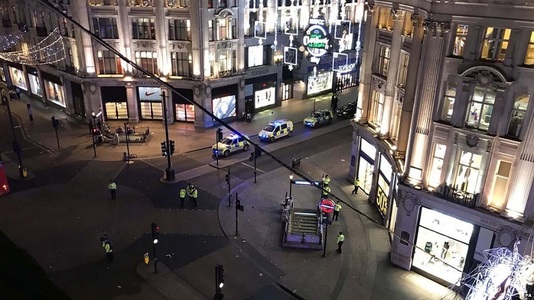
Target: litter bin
x=295 y=163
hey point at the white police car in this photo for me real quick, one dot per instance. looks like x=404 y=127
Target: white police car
x=230 y=144
x=275 y=130
x=319 y=117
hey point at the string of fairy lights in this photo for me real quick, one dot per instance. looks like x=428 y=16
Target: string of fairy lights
x=50 y=50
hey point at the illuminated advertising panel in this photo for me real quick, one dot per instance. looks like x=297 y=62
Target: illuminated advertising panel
x=149 y=94
x=17 y=78
x=54 y=93
x=224 y=107
x=264 y=97
x=35 y=85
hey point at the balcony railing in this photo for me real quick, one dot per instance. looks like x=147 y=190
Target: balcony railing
x=461 y=197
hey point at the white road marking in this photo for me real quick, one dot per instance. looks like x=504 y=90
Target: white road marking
x=252 y=167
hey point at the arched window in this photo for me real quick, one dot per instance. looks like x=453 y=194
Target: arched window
x=480 y=107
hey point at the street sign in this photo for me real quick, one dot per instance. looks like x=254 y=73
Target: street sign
x=327 y=206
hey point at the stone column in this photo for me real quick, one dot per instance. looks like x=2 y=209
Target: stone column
x=405 y=128
x=83 y=18
x=366 y=68
x=197 y=25
x=124 y=33
x=433 y=59
x=391 y=82
x=131 y=98
x=161 y=40
x=523 y=176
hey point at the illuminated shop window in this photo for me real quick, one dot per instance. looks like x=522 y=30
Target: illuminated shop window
x=448 y=102
x=385 y=19
x=500 y=181
x=383 y=60
x=468 y=172
x=442 y=245
x=529 y=57
x=460 y=39
x=495 y=43
x=480 y=107
x=434 y=176
x=378 y=107
x=518 y=115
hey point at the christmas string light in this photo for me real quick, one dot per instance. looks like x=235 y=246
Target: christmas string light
x=48 y=51
x=9 y=41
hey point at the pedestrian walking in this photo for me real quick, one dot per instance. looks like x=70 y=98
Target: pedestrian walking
x=337 y=208
x=249 y=117
x=340 y=240
x=108 y=247
x=112 y=186
x=182 y=197
x=356 y=186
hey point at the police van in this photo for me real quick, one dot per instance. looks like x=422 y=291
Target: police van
x=230 y=144
x=275 y=130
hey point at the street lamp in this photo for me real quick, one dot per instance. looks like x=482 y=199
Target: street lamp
x=94 y=131
x=290 y=184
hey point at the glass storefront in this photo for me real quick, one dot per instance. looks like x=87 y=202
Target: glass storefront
x=382 y=194
x=320 y=82
x=150 y=103
x=54 y=93
x=444 y=241
x=35 y=86
x=366 y=165
x=184 y=112
x=17 y=78
x=116 y=110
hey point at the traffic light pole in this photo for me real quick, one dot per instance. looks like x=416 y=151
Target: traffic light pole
x=255 y=156
x=229 y=189
x=169 y=171
x=238 y=207
x=93 y=132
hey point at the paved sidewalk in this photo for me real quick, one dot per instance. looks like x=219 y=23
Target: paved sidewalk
x=363 y=270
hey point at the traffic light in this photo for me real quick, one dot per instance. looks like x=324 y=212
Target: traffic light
x=155 y=232
x=219 y=135
x=55 y=122
x=163 y=149
x=238 y=205
x=171 y=150
x=219 y=277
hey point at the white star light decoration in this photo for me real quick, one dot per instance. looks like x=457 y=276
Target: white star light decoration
x=504 y=275
x=50 y=50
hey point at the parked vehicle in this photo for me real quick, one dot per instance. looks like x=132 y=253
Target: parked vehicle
x=347 y=111
x=276 y=129
x=319 y=117
x=230 y=144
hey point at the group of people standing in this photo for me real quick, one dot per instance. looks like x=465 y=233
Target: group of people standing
x=191 y=192
x=337 y=208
